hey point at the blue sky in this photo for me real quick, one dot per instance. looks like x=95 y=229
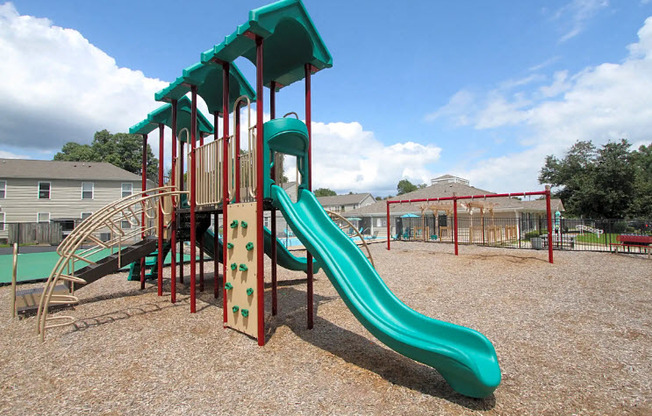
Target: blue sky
x=419 y=88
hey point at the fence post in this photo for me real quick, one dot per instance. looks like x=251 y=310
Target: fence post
x=455 y=235
x=549 y=212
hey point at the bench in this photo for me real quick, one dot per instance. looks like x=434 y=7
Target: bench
x=642 y=242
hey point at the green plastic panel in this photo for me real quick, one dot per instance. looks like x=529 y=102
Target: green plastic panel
x=291 y=40
x=163 y=115
x=144 y=127
x=463 y=356
x=208 y=79
x=288 y=136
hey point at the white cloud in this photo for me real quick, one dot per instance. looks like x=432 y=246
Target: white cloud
x=348 y=158
x=575 y=15
x=601 y=103
x=9 y=155
x=58 y=87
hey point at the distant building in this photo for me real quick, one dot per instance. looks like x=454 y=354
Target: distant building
x=449 y=179
x=42 y=191
x=344 y=203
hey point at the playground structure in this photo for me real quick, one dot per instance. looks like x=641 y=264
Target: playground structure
x=233 y=182
x=470 y=202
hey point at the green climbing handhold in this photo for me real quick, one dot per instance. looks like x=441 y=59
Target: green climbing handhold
x=234 y=224
x=249 y=246
x=235 y=309
x=244 y=224
x=229 y=245
x=244 y=312
x=243 y=267
x=228 y=286
x=234 y=266
x=250 y=291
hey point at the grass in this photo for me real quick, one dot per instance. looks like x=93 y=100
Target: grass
x=604 y=239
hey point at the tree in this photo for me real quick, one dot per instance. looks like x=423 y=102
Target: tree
x=641 y=206
x=122 y=150
x=597 y=183
x=324 y=192
x=404 y=186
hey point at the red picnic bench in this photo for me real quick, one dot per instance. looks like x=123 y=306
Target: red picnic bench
x=643 y=242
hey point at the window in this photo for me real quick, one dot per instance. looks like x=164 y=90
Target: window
x=87 y=190
x=85 y=215
x=127 y=189
x=3 y=189
x=2 y=221
x=43 y=217
x=44 y=190
x=125 y=224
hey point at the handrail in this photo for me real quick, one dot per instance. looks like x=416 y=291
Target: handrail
x=335 y=215
x=146 y=202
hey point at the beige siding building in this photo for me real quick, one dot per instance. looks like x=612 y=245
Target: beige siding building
x=39 y=191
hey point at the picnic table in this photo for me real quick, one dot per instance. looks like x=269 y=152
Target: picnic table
x=629 y=241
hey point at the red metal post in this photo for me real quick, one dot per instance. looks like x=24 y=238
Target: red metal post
x=549 y=212
x=173 y=225
x=193 y=198
x=142 y=216
x=308 y=100
x=159 y=256
x=201 y=237
x=216 y=263
x=455 y=224
x=389 y=228
x=182 y=187
x=274 y=254
x=260 y=284
x=225 y=178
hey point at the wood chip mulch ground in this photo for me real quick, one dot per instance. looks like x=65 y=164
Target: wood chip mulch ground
x=574 y=337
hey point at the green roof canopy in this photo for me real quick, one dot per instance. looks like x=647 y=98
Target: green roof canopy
x=208 y=79
x=163 y=115
x=290 y=41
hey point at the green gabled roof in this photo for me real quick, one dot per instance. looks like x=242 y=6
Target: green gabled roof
x=163 y=115
x=208 y=79
x=144 y=127
x=290 y=41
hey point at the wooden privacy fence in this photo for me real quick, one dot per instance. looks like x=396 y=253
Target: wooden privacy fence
x=35 y=233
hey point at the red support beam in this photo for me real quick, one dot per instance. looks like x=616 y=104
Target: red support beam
x=182 y=187
x=455 y=224
x=274 y=254
x=173 y=225
x=193 y=199
x=389 y=228
x=159 y=257
x=225 y=178
x=260 y=284
x=142 y=216
x=216 y=263
x=549 y=213
x=308 y=102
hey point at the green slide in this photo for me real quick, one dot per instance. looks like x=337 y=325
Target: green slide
x=284 y=257
x=464 y=357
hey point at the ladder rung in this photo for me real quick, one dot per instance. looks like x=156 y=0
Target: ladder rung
x=73 y=279
x=78 y=257
x=63 y=299
x=70 y=320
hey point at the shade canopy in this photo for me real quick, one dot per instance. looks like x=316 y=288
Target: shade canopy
x=208 y=80
x=163 y=115
x=291 y=41
x=410 y=216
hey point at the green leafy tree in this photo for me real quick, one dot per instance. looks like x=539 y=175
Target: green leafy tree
x=641 y=206
x=404 y=186
x=122 y=150
x=596 y=183
x=324 y=192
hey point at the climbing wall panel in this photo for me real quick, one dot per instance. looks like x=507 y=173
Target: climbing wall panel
x=242 y=273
